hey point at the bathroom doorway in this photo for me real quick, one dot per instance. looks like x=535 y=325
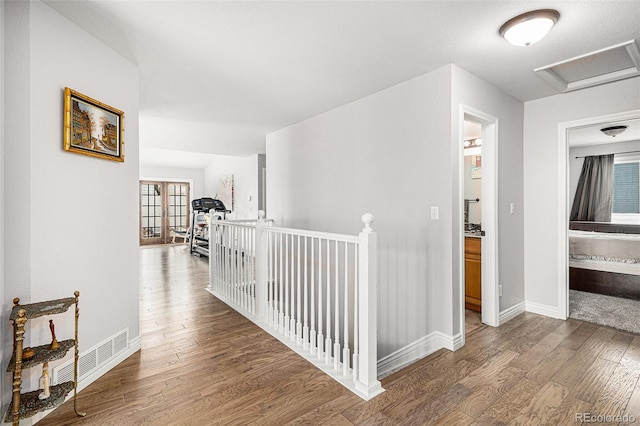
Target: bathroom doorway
x=472 y=146
x=481 y=223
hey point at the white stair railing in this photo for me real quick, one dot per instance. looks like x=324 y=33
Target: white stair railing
x=314 y=291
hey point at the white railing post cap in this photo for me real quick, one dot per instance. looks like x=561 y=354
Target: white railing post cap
x=261 y=214
x=367 y=219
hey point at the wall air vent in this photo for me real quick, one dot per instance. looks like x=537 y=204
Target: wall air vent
x=602 y=66
x=93 y=359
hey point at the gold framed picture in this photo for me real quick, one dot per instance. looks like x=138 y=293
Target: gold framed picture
x=92 y=128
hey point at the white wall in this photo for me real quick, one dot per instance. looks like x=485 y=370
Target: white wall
x=541 y=120
x=474 y=92
x=71 y=220
x=391 y=154
x=388 y=154
x=3 y=341
x=176 y=174
x=245 y=181
x=16 y=168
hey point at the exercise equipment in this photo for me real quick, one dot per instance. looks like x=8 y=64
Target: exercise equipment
x=202 y=212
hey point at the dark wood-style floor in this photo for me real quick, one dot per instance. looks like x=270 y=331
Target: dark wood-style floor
x=204 y=364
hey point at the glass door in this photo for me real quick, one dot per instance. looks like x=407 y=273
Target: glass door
x=178 y=209
x=164 y=211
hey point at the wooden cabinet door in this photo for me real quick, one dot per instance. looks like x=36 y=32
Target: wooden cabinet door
x=473 y=274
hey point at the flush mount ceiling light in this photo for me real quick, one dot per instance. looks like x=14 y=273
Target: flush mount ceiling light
x=613 y=131
x=529 y=27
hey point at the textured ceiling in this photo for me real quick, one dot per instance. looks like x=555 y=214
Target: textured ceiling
x=216 y=77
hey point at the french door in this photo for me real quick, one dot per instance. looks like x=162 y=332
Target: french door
x=164 y=211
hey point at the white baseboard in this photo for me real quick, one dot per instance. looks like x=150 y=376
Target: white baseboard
x=134 y=346
x=456 y=342
x=546 y=310
x=511 y=312
x=417 y=350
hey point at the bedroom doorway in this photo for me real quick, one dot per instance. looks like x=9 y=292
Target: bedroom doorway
x=573 y=134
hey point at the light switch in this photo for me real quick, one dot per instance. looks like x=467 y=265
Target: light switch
x=434 y=213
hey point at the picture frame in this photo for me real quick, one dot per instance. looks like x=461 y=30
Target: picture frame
x=225 y=191
x=92 y=128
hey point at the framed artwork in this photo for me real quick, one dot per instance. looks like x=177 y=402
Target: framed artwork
x=92 y=128
x=226 y=191
x=476 y=167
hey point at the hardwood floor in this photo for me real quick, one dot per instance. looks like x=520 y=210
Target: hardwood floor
x=204 y=364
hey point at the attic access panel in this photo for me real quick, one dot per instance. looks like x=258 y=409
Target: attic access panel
x=602 y=66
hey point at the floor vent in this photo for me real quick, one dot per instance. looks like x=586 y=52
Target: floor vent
x=93 y=359
x=602 y=66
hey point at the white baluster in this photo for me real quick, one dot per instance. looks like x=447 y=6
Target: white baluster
x=274 y=277
x=356 y=280
x=238 y=276
x=286 y=288
x=345 y=350
x=212 y=266
x=299 y=301
x=248 y=270
x=270 y=280
x=292 y=324
x=320 y=343
x=312 y=332
x=242 y=268
x=305 y=327
x=327 y=342
x=231 y=262
x=336 y=310
x=281 y=284
x=251 y=289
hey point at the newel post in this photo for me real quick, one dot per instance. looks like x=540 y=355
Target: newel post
x=367 y=380
x=261 y=268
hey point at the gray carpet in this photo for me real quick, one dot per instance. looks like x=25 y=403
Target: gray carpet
x=623 y=314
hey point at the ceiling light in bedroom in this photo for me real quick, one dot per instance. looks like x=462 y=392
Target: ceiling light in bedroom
x=613 y=131
x=529 y=27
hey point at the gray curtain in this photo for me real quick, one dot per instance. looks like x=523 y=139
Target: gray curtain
x=594 y=195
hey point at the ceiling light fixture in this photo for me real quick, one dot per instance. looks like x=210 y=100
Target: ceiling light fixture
x=529 y=27
x=613 y=131
x=472 y=143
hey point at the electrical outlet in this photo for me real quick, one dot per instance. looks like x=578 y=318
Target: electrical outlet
x=434 y=213
x=512 y=208
x=500 y=290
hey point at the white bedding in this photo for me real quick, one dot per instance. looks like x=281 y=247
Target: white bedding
x=601 y=246
x=605 y=251
x=602 y=265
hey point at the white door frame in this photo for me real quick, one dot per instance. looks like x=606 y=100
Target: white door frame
x=563 y=198
x=489 y=293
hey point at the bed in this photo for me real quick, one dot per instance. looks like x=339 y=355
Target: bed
x=605 y=258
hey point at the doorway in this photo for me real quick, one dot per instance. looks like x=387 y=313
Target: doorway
x=564 y=131
x=485 y=167
x=164 y=211
x=472 y=146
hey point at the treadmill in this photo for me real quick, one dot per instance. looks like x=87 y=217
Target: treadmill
x=201 y=210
